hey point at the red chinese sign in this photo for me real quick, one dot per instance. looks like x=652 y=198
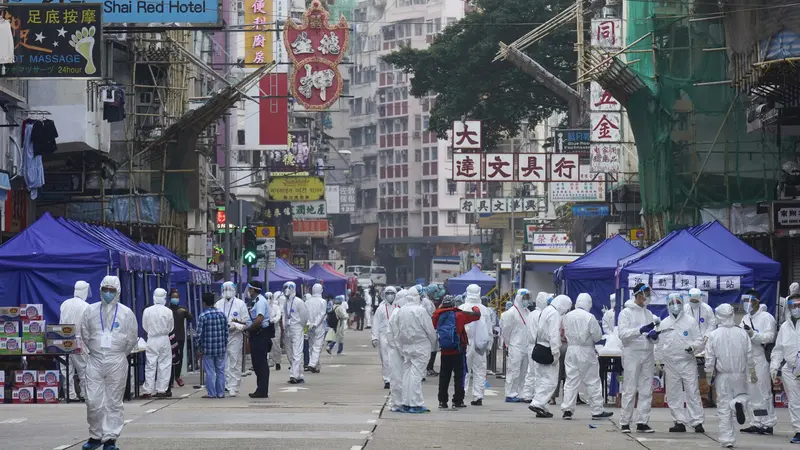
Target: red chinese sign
x=316 y=48
x=525 y=167
x=310 y=228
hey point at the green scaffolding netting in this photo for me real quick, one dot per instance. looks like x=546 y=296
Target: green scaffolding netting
x=676 y=122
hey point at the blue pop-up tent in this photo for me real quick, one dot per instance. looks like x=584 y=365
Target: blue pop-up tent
x=593 y=273
x=680 y=253
x=766 y=271
x=331 y=283
x=283 y=267
x=458 y=285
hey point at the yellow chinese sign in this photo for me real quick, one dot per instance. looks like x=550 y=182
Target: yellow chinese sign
x=292 y=189
x=258 y=19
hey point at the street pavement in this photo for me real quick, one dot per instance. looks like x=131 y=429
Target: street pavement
x=344 y=408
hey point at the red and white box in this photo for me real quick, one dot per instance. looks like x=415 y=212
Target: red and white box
x=2 y=378
x=31 y=311
x=48 y=378
x=47 y=394
x=25 y=378
x=23 y=395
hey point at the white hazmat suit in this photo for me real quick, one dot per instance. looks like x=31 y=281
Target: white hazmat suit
x=787 y=349
x=276 y=317
x=395 y=357
x=533 y=318
x=728 y=355
x=109 y=331
x=680 y=339
x=548 y=333
x=607 y=322
x=235 y=310
x=380 y=332
x=412 y=329
x=513 y=324
x=158 y=323
x=317 y=313
x=638 y=362
x=476 y=360
x=580 y=364
x=295 y=318
x=762 y=332
x=700 y=312
x=783 y=311
x=72 y=313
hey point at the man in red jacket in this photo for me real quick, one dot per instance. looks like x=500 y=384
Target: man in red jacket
x=453 y=360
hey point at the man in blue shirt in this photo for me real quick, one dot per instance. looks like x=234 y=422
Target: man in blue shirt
x=211 y=341
x=261 y=333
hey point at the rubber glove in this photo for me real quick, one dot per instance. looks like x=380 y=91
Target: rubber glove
x=647 y=328
x=690 y=350
x=657 y=321
x=653 y=335
x=710 y=378
x=753 y=376
x=374 y=343
x=774 y=375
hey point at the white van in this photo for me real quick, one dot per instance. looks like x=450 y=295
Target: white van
x=375 y=273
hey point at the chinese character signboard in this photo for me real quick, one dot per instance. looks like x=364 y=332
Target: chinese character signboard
x=310 y=228
x=300 y=260
x=590 y=188
x=526 y=167
x=309 y=210
x=296 y=189
x=785 y=215
x=606 y=127
x=502 y=204
x=56 y=40
x=295 y=158
x=467 y=134
x=281 y=13
x=607 y=34
x=347 y=199
x=590 y=210
x=602 y=100
x=572 y=141
x=157 y=14
x=550 y=242
x=605 y=157
x=316 y=48
x=258 y=38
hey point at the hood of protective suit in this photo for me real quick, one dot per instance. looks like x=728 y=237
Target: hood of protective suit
x=112 y=281
x=474 y=289
x=228 y=290
x=541 y=300
x=307 y=297
x=584 y=302
x=695 y=294
x=160 y=297
x=268 y=296
x=632 y=304
x=413 y=298
x=518 y=298
x=613 y=300
x=725 y=316
x=389 y=290
x=316 y=290
x=794 y=288
x=562 y=303
x=82 y=290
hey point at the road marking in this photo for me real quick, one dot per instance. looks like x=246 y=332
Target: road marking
x=489 y=393
x=363 y=346
x=365 y=432
x=656 y=440
x=128 y=421
x=150 y=411
x=62 y=447
x=376 y=411
x=185 y=395
x=335 y=366
x=293 y=389
x=356 y=447
x=17 y=420
x=372 y=421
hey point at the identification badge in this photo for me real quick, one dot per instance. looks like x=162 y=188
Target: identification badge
x=105 y=340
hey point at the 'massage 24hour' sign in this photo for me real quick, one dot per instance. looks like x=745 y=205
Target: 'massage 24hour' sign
x=56 y=40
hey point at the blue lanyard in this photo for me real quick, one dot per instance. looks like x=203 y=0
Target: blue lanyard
x=228 y=314
x=291 y=307
x=102 y=325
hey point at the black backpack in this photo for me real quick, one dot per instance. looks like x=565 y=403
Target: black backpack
x=333 y=321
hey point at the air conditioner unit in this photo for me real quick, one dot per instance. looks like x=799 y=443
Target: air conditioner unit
x=146 y=98
x=397 y=122
x=417 y=134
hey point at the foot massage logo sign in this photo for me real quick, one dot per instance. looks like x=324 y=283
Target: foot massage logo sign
x=55 y=40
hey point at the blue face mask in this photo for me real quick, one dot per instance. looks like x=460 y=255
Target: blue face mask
x=109 y=297
x=174 y=301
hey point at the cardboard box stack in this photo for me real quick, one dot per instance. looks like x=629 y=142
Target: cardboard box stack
x=10 y=341
x=33 y=328
x=61 y=339
x=2 y=386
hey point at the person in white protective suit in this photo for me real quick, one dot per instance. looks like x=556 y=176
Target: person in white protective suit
x=412 y=330
x=785 y=358
x=609 y=315
x=317 y=313
x=532 y=319
x=109 y=331
x=784 y=312
x=729 y=356
x=680 y=339
x=72 y=313
x=513 y=324
x=700 y=312
x=430 y=307
x=158 y=322
x=395 y=357
x=761 y=328
x=476 y=357
x=295 y=318
x=548 y=334
x=276 y=317
x=367 y=308
x=235 y=310
x=380 y=333
x=581 y=366
x=636 y=329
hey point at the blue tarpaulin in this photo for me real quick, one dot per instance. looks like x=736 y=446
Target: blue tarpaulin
x=332 y=284
x=593 y=273
x=680 y=253
x=458 y=285
x=766 y=271
x=282 y=267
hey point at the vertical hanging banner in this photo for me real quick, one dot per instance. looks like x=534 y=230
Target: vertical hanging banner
x=258 y=39
x=316 y=48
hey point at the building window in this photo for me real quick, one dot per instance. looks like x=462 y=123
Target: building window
x=383 y=189
x=434 y=217
x=426 y=218
x=427 y=154
x=452 y=217
x=240 y=137
x=417 y=187
x=449 y=153
x=470 y=218
x=417 y=122
x=434 y=153
x=418 y=155
x=452 y=187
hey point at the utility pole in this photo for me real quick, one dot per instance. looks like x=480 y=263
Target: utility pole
x=227 y=178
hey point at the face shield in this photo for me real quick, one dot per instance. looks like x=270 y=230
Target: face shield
x=748 y=303
x=793 y=303
x=645 y=292
x=675 y=304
